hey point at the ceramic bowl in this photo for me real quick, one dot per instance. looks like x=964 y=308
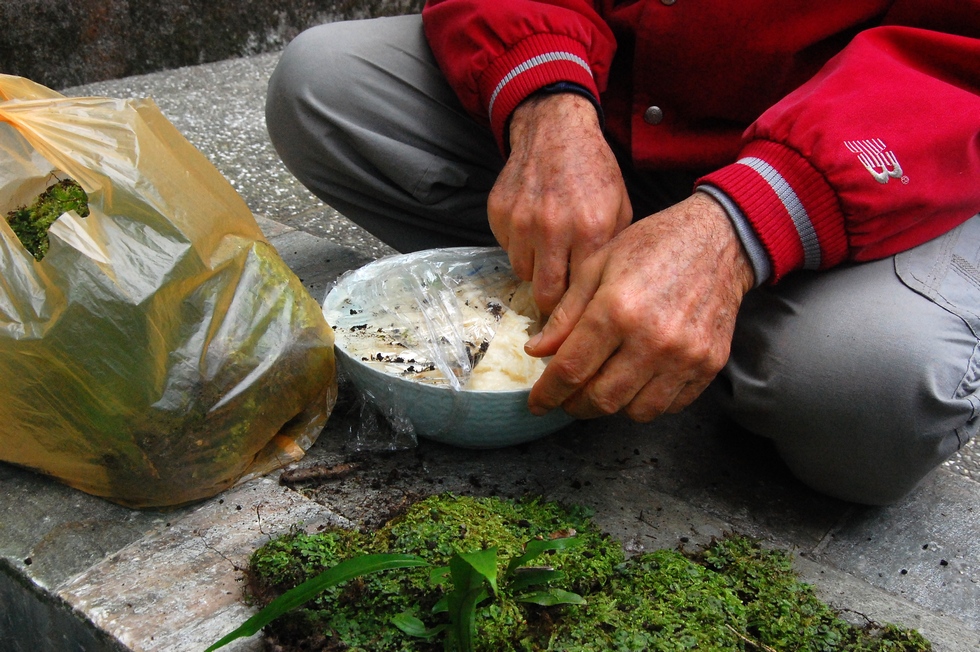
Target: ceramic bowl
x=460 y=417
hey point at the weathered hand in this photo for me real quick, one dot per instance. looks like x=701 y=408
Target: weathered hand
x=560 y=195
x=647 y=321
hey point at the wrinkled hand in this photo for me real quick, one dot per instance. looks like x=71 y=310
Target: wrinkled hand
x=647 y=321
x=560 y=195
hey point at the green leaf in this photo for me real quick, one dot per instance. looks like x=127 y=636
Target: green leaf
x=551 y=597
x=537 y=547
x=408 y=623
x=483 y=562
x=470 y=572
x=439 y=575
x=442 y=606
x=462 y=617
x=309 y=589
x=529 y=576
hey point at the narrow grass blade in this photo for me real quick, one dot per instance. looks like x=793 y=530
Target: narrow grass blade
x=309 y=589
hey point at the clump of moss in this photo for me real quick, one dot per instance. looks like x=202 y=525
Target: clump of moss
x=734 y=595
x=31 y=223
x=785 y=613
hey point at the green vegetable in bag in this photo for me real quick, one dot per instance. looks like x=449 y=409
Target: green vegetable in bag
x=31 y=223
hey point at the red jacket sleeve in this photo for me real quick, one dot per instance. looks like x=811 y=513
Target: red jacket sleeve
x=497 y=53
x=877 y=153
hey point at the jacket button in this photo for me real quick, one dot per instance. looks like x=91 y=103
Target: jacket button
x=668 y=2
x=653 y=115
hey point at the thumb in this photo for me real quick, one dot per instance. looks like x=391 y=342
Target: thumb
x=564 y=317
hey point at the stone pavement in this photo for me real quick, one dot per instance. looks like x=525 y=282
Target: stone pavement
x=78 y=573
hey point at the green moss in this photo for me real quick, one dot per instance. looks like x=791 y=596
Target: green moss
x=31 y=223
x=734 y=595
x=785 y=613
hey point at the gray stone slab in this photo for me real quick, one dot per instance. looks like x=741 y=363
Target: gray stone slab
x=179 y=589
x=859 y=602
x=50 y=532
x=32 y=619
x=926 y=549
x=702 y=458
x=317 y=262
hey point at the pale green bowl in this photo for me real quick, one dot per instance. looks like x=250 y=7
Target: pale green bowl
x=466 y=418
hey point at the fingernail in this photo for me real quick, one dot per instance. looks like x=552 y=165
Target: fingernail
x=537 y=410
x=534 y=341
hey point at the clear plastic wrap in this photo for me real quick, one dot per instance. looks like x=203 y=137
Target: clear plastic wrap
x=161 y=350
x=434 y=340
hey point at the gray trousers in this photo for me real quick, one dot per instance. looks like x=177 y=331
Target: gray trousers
x=865 y=377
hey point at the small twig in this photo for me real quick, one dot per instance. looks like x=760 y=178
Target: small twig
x=642 y=519
x=750 y=641
x=868 y=620
x=258 y=520
x=316 y=473
x=210 y=547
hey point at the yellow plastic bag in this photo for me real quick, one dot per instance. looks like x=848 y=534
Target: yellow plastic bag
x=161 y=351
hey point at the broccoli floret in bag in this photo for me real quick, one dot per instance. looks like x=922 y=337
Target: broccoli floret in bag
x=31 y=223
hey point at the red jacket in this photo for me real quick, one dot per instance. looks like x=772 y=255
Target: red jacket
x=844 y=130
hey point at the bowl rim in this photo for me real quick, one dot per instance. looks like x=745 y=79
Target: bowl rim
x=393 y=259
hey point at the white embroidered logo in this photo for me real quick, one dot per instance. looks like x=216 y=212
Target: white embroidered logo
x=877 y=159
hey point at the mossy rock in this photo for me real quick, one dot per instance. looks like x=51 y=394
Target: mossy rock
x=733 y=595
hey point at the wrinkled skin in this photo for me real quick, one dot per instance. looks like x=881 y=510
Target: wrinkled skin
x=560 y=195
x=642 y=314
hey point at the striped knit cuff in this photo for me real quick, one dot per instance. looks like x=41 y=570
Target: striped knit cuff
x=535 y=62
x=750 y=241
x=791 y=207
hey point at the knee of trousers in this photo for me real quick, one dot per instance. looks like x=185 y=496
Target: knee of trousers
x=863 y=385
x=361 y=115
x=318 y=58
